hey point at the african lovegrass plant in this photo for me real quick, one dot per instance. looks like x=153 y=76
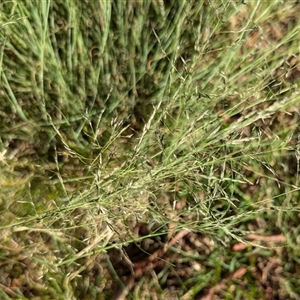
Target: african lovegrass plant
x=120 y=112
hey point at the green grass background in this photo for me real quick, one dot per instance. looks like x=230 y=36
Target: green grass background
x=118 y=112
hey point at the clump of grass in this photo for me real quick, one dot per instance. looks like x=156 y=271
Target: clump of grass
x=116 y=113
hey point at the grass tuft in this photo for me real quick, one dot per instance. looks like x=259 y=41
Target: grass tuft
x=180 y=118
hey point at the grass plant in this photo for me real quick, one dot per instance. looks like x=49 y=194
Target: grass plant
x=178 y=113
